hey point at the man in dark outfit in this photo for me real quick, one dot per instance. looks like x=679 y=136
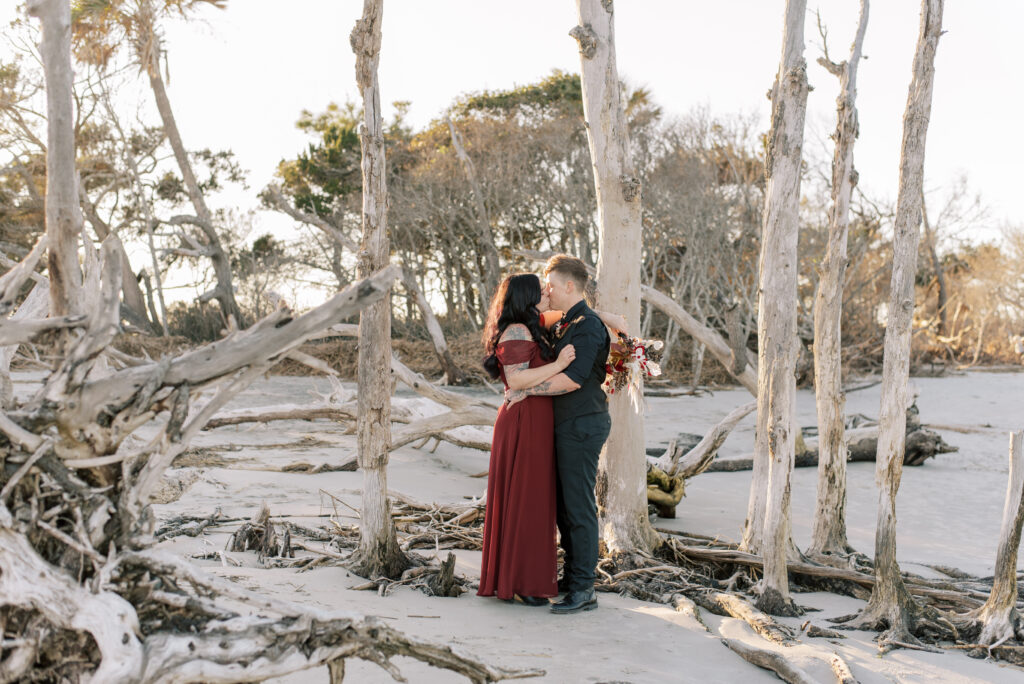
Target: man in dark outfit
x=582 y=424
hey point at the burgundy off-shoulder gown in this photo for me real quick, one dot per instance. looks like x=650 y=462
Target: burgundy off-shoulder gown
x=519 y=555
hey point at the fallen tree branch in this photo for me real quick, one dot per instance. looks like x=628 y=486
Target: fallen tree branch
x=770 y=660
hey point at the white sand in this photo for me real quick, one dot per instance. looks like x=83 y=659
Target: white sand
x=949 y=513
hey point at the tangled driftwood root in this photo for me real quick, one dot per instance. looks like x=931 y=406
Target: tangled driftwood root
x=260 y=534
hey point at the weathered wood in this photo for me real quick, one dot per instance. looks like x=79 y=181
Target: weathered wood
x=378 y=553
x=719 y=555
x=439 y=424
x=335 y=413
x=922 y=444
x=759 y=622
x=453 y=375
x=999 y=620
x=698 y=459
x=18 y=273
x=63 y=213
x=841 y=670
x=770 y=660
x=767 y=527
x=621 y=482
x=277 y=333
x=829 y=532
x=891 y=606
x=35 y=306
x=712 y=340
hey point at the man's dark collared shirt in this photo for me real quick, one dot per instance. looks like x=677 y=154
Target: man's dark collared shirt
x=590 y=338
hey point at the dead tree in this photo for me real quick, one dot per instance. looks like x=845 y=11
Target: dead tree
x=891 y=606
x=621 y=479
x=378 y=553
x=999 y=620
x=453 y=375
x=63 y=213
x=829 y=535
x=768 y=525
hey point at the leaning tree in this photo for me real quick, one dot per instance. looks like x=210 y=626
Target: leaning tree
x=100 y=28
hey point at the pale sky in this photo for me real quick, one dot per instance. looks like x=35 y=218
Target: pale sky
x=240 y=77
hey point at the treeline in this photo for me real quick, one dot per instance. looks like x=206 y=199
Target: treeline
x=500 y=172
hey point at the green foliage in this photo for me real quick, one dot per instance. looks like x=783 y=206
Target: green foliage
x=329 y=169
x=560 y=91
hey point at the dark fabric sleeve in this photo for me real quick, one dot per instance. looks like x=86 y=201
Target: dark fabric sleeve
x=588 y=337
x=515 y=351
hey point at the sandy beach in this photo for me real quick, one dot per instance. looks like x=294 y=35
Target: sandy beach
x=948 y=510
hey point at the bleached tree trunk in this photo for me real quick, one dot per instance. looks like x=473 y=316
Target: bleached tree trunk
x=999 y=617
x=621 y=478
x=492 y=265
x=768 y=514
x=378 y=553
x=891 y=605
x=829 y=534
x=63 y=213
x=148 y=54
x=453 y=375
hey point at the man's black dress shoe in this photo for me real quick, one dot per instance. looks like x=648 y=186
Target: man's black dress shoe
x=535 y=601
x=575 y=602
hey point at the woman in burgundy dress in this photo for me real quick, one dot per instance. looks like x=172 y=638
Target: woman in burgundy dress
x=520 y=549
x=519 y=555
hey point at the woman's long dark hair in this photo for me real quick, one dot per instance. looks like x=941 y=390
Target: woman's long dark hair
x=515 y=302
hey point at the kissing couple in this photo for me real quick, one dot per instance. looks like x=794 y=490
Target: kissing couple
x=549 y=349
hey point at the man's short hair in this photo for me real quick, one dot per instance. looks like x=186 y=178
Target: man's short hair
x=570 y=267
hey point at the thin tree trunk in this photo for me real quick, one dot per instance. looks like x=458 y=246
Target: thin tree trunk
x=452 y=373
x=63 y=213
x=768 y=517
x=999 y=618
x=225 y=292
x=829 y=534
x=378 y=553
x=492 y=264
x=891 y=605
x=621 y=479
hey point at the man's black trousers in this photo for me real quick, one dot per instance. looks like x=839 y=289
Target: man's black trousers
x=578 y=443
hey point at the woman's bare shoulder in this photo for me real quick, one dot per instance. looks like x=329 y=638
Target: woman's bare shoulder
x=516 y=332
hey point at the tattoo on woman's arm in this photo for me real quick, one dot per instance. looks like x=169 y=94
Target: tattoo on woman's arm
x=516 y=368
x=544 y=389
